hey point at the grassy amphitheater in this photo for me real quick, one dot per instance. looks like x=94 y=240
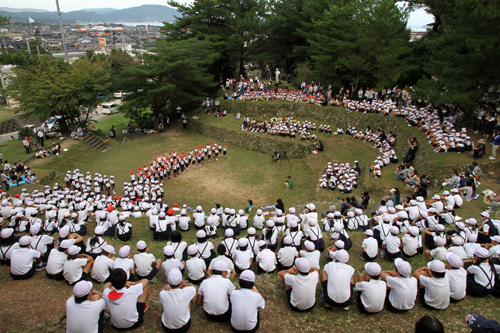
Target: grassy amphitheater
x=247 y=173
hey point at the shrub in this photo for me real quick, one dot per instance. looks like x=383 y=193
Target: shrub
x=25 y=131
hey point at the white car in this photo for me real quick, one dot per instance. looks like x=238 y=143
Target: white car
x=109 y=108
x=118 y=94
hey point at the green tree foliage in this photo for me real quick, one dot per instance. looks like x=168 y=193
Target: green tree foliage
x=118 y=60
x=175 y=72
x=360 y=43
x=52 y=87
x=464 y=52
x=233 y=28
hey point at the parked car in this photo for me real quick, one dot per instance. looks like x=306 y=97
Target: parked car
x=109 y=108
x=52 y=123
x=118 y=94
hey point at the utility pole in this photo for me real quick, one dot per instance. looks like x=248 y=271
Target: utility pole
x=65 y=48
x=28 y=44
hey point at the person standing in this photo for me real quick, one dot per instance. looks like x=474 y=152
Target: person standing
x=246 y=304
x=5 y=179
x=40 y=137
x=85 y=310
x=184 y=120
x=496 y=144
x=179 y=109
x=277 y=75
x=175 y=299
x=112 y=132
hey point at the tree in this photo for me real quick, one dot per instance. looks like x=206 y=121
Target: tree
x=53 y=87
x=174 y=72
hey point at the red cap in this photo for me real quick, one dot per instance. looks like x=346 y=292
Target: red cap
x=110 y=208
x=131 y=172
x=116 y=198
x=120 y=197
x=17 y=195
x=137 y=200
x=145 y=165
x=176 y=205
x=170 y=212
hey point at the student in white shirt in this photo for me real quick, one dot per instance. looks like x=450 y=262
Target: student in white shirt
x=205 y=248
x=369 y=247
x=180 y=247
x=196 y=267
x=253 y=240
x=146 y=265
x=287 y=254
x=412 y=243
x=270 y=235
x=371 y=290
x=175 y=299
x=457 y=276
x=457 y=248
x=295 y=234
x=480 y=276
x=96 y=243
x=392 y=244
x=337 y=280
x=229 y=243
x=211 y=228
x=311 y=254
x=471 y=245
x=7 y=244
x=313 y=234
x=103 y=264
x=199 y=218
x=214 y=292
x=125 y=262
x=126 y=300
x=170 y=261
x=24 y=260
x=41 y=243
x=258 y=220
x=439 y=252
x=85 y=310
x=266 y=259
x=401 y=287
x=77 y=266
x=434 y=287
x=300 y=285
x=243 y=257
x=123 y=229
x=246 y=304
x=57 y=258
x=184 y=221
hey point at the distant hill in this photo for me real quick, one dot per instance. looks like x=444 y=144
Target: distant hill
x=19 y=10
x=144 y=13
x=100 y=10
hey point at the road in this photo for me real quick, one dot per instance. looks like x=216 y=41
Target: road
x=93 y=116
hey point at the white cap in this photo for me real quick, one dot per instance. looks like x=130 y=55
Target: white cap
x=251 y=231
x=82 y=288
x=414 y=231
x=261 y=243
x=350 y=214
x=201 y=234
x=198 y=208
x=311 y=206
x=35 y=228
x=460 y=225
x=420 y=199
x=270 y=223
x=213 y=211
x=174 y=277
x=471 y=221
x=247 y=275
x=99 y=230
x=25 y=240
x=291 y=210
x=439 y=227
x=342 y=256
x=279 y=212
x=394 y=230
x=403 y=267
x=485 y=214
x=259 y=211
x=440 y=241
x=339 y=244
x=437 y=266
x=446 y=193
x=66 y=244
x=369 y=232
x=141 y=245
x=303 y=265
x=192 y=250
x=220 y=265
x=309 y=245
x=479 y=252
x=496 y=239
x=312 y=222
x=436 y=197
x=109 y=248
x=7 y=232
x=454 y=260
x=73 y=250
x=373 y=269
x=168 y=250
x=242 y=242
x=229 y=232
x=287 y=240
x=64 y=231
x=124 y=251
x=232 y=211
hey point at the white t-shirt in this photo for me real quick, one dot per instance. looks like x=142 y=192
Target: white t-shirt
x=178 y=249
x=480 y=277
x=413 y=212
x=458 y=250
x=184 y=222
x=437 y=291
x=175 y=304
x=295 y=235
x=21 y=260
x=73 y=269
x=469 y=249
x=55 y=263
x=123 y=309
x=339 y=281
x=199 y=219
x=195 y=267
x=403 y=292
x=243 y=258
x=392 y=243
x=124 y=263
x=39 y=243
x=244 y=306
x=458 y=282
x=228 y=261
x=101 y=268
x=371 y=246
x=313 y=257
x=170 y=264
x=267 y=260
x=373 y=294
x=258 y=221
x=410 y=245
x=83 y=317
x=439 y=253
x=215 y=292
x=143 y=263
x=303 y=289
x=6 y=251
x=287 y=255
x=438 y=205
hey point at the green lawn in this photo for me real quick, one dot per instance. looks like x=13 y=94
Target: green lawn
x=230 y=182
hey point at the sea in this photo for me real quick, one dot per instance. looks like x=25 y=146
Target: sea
x=133 y=24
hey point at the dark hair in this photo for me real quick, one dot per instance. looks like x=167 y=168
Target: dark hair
x=221 y=249
x=269 y=233
x=81 y=299
x=201 y=239
x=374 y=277
x=7 y=241
x=246 y=284
x=94 y=240
x=438 y=275
x=176 y=237
x=216 y=272
x=429 y=324
x=118 y=278
x=72 y=256
x=243 y=248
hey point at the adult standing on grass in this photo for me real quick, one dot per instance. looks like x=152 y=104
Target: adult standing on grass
x=85 y=310
x=26 y=144
x=184 y=120
x=496 y=144
x=5 y=179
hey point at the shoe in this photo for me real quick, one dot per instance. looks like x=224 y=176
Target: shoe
x=322 y=300
x=346 y=308
x=145 y=307
x=361 y=257
x=382 y=254
x=41 y=267
x=475 y=132
x=476 y=196
x=492 y=158
x=106 y=317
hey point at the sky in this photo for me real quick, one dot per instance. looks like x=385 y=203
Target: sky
x=417 y=20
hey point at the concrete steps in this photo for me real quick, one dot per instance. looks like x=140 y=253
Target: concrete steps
x=16 y=122
x=95 y=142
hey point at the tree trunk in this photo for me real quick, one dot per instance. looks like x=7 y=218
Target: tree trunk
x=156 y=113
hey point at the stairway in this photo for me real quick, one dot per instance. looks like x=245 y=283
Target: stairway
x=95 y=142
x=16 y=122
